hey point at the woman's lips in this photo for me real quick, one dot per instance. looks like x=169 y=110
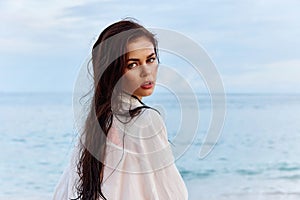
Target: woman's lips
x=147 y=85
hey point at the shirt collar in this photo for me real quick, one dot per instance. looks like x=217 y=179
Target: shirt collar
x=126 y=102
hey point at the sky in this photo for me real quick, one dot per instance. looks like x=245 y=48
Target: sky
x=253 y=43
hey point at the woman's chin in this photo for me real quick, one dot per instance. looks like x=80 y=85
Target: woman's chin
x=144 y=93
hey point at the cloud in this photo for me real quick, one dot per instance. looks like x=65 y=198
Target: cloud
x=32 y=26
x=238 y=35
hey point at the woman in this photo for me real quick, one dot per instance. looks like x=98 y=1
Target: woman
x=123 y=151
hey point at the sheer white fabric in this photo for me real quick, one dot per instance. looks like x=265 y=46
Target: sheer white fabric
x=138 y=164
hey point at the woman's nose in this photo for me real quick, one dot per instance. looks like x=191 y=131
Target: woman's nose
x=145 y=70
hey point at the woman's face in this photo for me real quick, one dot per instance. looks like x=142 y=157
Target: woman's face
x=141 y=68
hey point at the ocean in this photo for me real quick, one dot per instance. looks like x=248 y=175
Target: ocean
x=256 y=156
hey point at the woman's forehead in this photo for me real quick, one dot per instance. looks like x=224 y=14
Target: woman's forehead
x=140 y=44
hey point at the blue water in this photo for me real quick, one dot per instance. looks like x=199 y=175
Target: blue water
x=257 y=153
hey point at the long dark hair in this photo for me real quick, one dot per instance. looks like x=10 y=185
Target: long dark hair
x=109 y=62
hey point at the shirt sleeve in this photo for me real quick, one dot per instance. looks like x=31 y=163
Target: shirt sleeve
x=143 y=140
x=140 y=163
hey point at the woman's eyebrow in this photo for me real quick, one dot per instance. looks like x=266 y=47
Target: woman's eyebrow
x=133 y=59
x=136 y=59
x=152 y=54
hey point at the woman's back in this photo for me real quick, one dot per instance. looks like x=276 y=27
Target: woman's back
x=139 y=163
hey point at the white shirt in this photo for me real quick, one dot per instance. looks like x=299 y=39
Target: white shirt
x=138 y=164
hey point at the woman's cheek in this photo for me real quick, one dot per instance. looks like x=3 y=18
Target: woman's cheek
x=131 y=81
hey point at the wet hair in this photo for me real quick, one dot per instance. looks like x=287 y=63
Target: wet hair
x=109 y=63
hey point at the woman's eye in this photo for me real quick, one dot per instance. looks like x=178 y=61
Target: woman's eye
x=132 y=65
x=151 y=60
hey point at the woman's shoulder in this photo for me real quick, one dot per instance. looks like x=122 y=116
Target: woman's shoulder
x=148 y=120
x=151 y=112
x=150 y=115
